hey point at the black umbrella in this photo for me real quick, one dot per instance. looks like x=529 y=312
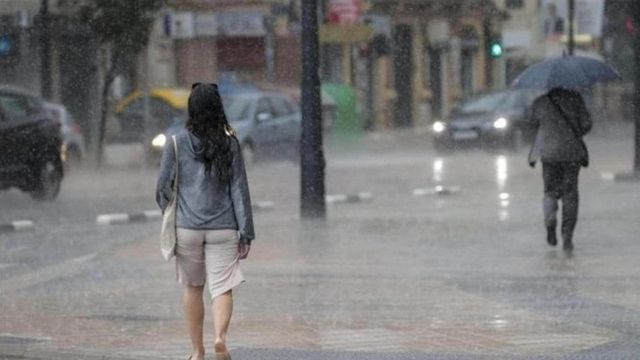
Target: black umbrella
x=569 y=72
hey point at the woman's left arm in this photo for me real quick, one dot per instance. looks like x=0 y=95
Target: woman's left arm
x=240 y=195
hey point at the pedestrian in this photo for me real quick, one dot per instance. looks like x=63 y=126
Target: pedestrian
x=213 y=218
x=561 y=119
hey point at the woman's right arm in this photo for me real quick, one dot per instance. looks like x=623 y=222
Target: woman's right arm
x=166 y=176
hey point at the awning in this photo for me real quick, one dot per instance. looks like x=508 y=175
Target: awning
x=345 y=34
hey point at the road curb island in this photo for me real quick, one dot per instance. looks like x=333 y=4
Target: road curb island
x=155 y=215
x=17 y=226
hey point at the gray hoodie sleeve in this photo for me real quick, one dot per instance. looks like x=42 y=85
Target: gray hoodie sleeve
x=166 y=176
x=240 y=197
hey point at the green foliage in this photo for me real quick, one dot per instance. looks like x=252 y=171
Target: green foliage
x=125 y=24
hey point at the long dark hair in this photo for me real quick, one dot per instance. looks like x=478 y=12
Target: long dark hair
x=209 y=124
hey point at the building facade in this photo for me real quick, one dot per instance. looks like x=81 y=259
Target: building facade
x=437 y=58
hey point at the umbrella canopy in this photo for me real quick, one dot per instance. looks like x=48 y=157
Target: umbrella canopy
x=569 y=72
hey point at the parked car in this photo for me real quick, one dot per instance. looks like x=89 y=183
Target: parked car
x=267 y=123
x=30 y=145
x=73 y=139
x=166 y=107
x=493 y=119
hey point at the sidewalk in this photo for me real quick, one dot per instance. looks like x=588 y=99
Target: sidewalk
x=464 y=276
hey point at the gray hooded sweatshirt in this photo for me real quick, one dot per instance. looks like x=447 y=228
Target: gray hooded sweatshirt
x=203 y=204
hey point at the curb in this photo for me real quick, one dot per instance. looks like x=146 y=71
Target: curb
x=438 y=190
x=17 y=226
x=348 y=198
x=123 y=218
x=264 y=205
x=151 y=215
x=622 y=177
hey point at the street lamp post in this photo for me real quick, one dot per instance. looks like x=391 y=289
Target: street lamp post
x=572 y=30
x=635 y=11
x=312 y=162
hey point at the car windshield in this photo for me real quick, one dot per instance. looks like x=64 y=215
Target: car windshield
x=490 y=102
x=236 y=107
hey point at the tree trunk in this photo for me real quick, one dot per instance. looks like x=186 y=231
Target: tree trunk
x=104 y=111
x=45 y=50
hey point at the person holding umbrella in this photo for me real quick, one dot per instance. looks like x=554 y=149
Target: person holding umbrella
x=562 y=119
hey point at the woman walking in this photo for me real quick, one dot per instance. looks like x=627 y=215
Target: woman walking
x=213 y=217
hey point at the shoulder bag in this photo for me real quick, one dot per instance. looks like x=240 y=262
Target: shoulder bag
x=576 y=132
x=168 y=232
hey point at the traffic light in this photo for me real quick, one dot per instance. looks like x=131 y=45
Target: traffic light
x=495 y=49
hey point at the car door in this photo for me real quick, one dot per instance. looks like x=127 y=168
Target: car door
x=20 y=136
x=5 y=138
x=288 y=125
x=265 y=133
x=131 y=122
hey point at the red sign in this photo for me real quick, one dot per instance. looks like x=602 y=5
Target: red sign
x=344 y=12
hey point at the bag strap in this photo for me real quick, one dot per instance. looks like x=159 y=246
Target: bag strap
x=577 y=133
x=175 y=177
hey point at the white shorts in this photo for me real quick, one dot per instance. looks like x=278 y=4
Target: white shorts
x=209 y=256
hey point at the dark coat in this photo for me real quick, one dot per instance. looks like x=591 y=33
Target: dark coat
x=555 y=139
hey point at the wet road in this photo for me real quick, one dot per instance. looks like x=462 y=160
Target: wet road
x=414 y=273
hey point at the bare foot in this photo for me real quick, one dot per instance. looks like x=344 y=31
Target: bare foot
x=220 y=347
x=197 y=357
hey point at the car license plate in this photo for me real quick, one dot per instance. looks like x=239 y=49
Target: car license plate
x=465 y=135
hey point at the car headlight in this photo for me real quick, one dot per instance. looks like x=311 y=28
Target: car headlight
x=159 y=141
x=439 y=126
x=501 y=123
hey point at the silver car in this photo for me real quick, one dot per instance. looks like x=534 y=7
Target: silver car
x=267 y=124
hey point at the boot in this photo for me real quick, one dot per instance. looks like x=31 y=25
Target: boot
x=551 y=236
x=567 y=244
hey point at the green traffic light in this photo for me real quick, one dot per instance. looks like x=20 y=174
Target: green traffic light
x=495 y=49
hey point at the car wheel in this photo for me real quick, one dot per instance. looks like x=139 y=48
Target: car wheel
x=48 y=181
x=248 y=154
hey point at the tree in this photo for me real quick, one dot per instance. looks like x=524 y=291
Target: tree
x=123 y=29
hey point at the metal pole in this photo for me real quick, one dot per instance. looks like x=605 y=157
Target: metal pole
x=269 y=48
x=312 y=162
x=370 y=94
x=572 y=17
x=635 y=11
x=45 y=50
